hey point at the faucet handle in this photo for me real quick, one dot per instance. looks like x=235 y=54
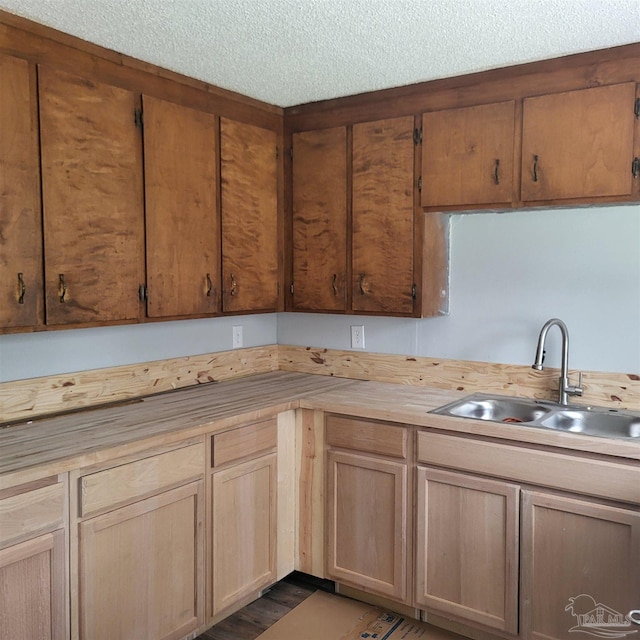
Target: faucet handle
x=576 y=390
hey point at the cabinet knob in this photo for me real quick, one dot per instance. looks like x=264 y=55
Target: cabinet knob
x=22 y=289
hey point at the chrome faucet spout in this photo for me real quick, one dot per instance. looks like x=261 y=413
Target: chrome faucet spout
x=565 y=389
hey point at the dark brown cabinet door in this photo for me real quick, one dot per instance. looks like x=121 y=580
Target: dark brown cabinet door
x=383 y=221
x=578 y=144
x=20 y=224
x=320 y=220
x=467 y=155
x=249 y=217
x=182 y=222
x=92 y=200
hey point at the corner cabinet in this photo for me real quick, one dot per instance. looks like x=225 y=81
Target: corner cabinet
x=182 y=219
x=20 y=216
x=360 y=242
x=249 y=207
x=243 y=501
x=92 y=194
x=366 y=525
x=320 y=220
x=138 y=547
x=34 y=594
x=579 y=144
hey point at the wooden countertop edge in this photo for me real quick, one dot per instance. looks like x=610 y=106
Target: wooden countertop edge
x=352 y=397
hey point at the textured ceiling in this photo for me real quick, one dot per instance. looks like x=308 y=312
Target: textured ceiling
x=288 y=52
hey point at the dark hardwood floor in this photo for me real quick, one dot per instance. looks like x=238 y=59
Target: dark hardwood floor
x=250 y=622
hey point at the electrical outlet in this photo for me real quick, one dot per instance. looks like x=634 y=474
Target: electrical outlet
x=357 y=336
x=237 y=337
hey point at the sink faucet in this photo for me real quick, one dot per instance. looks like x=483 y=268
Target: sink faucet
x=565 y=389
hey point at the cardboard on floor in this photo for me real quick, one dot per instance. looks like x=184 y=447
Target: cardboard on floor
x=323 y=616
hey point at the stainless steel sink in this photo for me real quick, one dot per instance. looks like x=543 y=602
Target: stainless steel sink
x=592 y=421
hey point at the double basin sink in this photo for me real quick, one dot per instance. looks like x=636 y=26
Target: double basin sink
x=605 y=423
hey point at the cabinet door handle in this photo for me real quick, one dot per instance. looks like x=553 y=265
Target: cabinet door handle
x=362 y=291
x=535 y=168
x=635 y=167
x=333 y=284
x=234 y=286
x=209 y=285
x=496 y=172
x=22 y=289
x=62 y=288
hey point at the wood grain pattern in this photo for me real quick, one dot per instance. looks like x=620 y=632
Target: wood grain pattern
x=32 y=589
x=319 y=178
x=569 y=548
x=127 y=483
x=249 y=217
x=310 y=503
x=287 y=497
x=383 y=222
x=92 y=200
x=244 y=530
x=181 y=213
x=467 y=548
x=365 y=435
x=366 y=523
x=601 y=478
x=616 y=390
x=20 y=215
x=247 y=441
x=460 y=149
x=583 y=141
x=144 y=562
x=24 y=399
x=28 y=514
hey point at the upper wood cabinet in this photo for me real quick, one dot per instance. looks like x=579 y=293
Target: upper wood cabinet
x=249 y=186
x=467 y=155
x=92 y=200
x=320 y=220
x=578 y=144
x=20 y=221
x=182 y=221
x=383 y=218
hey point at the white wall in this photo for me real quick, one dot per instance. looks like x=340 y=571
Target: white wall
x=28 y=355
x=509 y=273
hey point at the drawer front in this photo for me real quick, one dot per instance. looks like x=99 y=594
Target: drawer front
x=31 y=513
x=589 y=476
x=367 y=435
x=247 y=441
x=126 y=483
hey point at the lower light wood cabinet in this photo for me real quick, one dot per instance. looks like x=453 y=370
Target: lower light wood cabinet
x=243 y=514
x=580 y=567
x=467 y=548
x=33 y=559
x=137 y=552
x=366 y=515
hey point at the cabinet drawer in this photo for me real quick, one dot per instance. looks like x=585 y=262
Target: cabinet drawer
x=589 y=476
x=367 y=435
x=31 y=512
x=119 y=485
x=244 y=442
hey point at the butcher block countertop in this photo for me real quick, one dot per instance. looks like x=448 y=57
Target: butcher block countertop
x=56 y=444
